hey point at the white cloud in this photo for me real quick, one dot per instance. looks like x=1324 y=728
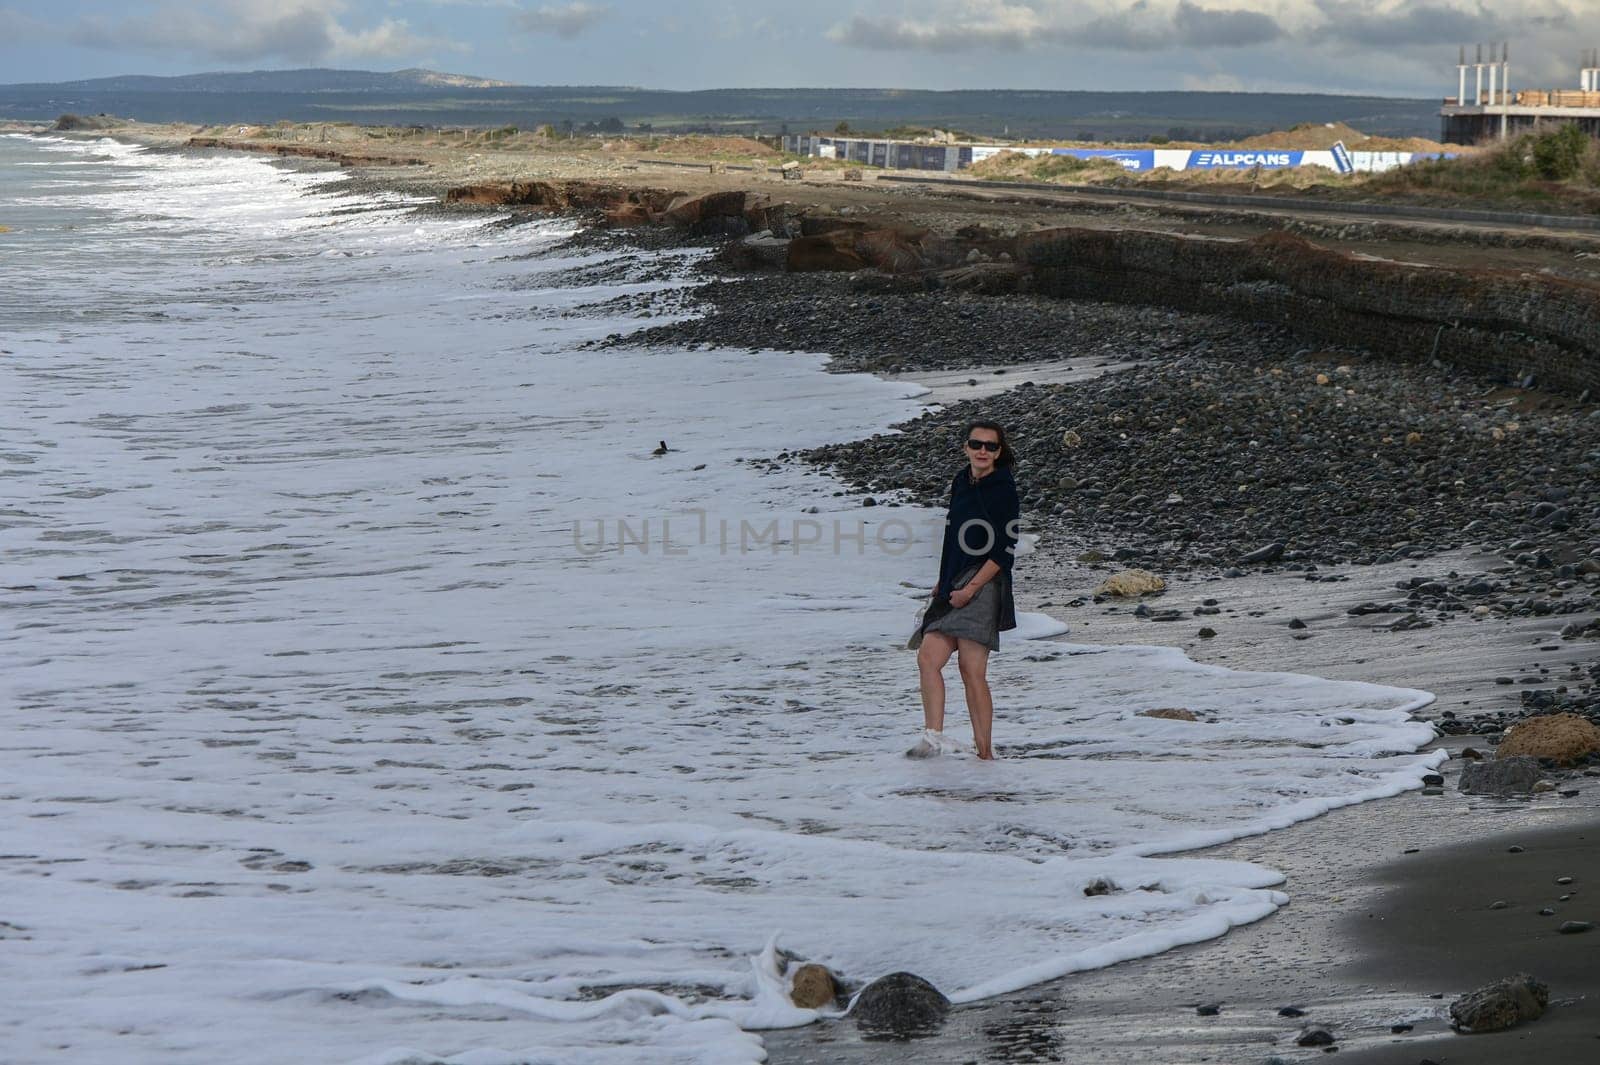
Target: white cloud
x=566 y=21
x=1013 y=25
x=240 y=31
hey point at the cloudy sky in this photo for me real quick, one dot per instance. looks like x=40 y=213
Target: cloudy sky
x=1386 y=47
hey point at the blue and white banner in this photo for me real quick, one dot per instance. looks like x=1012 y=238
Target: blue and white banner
x=914 y=156
x=1244 y=159
x=1341 y=159
x=1129 y=158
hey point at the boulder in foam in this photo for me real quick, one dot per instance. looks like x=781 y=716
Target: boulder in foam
x=900 y=1006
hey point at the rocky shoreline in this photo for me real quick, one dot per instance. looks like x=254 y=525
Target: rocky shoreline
x=1209 y=447
x=1227 y=457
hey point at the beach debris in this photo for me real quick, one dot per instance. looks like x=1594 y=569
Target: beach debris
x=1070 y=439
x=1569 y=928
x=1098 y=886
x=661 y=449
x=1291 y=1011
x=1562 y=738
x=1209 y=1009
x=813 y=986
x=1170 y=713
x=901 y=1005
x=1500 y=1005
x=1269 y=553
x=1315 y=1036
x=1501 y=776
x=1132 y=582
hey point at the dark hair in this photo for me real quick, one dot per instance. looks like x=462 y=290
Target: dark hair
x=1006 y=456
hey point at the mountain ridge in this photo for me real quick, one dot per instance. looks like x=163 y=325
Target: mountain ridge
x=298 y=80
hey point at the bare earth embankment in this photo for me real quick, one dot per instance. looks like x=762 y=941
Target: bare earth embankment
x=1359 y=448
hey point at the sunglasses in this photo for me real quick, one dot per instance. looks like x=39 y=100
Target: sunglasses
x=984 y=445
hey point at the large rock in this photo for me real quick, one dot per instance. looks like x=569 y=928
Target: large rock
x=760 y=251
x=900 y=1005
x=989 y=279
x=1170 y=713
x=714 y=213
x=512 y=194
x=628 y=214
x=813 y=987
x=1132 y=582
x=689 y=211
x=1562 y=738
x=829 y=251
x=1500 y=1005
x=889 y=251
x=1502 y=776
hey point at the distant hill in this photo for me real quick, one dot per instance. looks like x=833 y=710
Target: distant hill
x=310 y=80
x=424 y=97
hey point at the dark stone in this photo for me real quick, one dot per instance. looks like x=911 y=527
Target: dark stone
x=1500 y=1005
x=1315 y=1036
x=1210 y=1009
x=1501 y=776
x=1269 y=553
x=900 y=1005
x=1291 y=1011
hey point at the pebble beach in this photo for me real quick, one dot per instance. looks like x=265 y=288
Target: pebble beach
x=1308 y=508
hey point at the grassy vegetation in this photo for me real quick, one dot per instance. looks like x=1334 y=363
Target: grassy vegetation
x=1066 y=169
x=1558 y=166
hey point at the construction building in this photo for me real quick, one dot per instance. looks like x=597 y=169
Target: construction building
x=1488 y=109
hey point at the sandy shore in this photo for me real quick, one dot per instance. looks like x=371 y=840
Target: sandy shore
x=1372 y=932
x=1339 y=868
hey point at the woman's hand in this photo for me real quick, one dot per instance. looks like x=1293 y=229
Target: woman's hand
x=961 y=597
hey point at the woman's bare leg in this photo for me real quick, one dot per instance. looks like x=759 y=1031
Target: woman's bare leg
x=935 y=651
x=973 y=660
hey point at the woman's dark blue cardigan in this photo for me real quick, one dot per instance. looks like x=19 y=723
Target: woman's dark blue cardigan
x=980 y=507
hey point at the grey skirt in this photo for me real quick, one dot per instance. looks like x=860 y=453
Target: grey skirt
x=978 y=621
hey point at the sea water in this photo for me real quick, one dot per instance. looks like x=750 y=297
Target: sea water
x=373 y=693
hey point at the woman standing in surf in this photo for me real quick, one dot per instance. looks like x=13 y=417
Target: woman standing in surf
x=972 y=603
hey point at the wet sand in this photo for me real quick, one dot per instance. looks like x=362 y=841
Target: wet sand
x=1371 y=932
x=1355 y=973
x=1432 y=929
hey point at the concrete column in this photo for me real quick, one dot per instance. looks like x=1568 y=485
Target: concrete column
x=1478 y=98
x=1493 y=67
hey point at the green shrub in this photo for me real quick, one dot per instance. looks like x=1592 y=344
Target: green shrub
x=1559 y=155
